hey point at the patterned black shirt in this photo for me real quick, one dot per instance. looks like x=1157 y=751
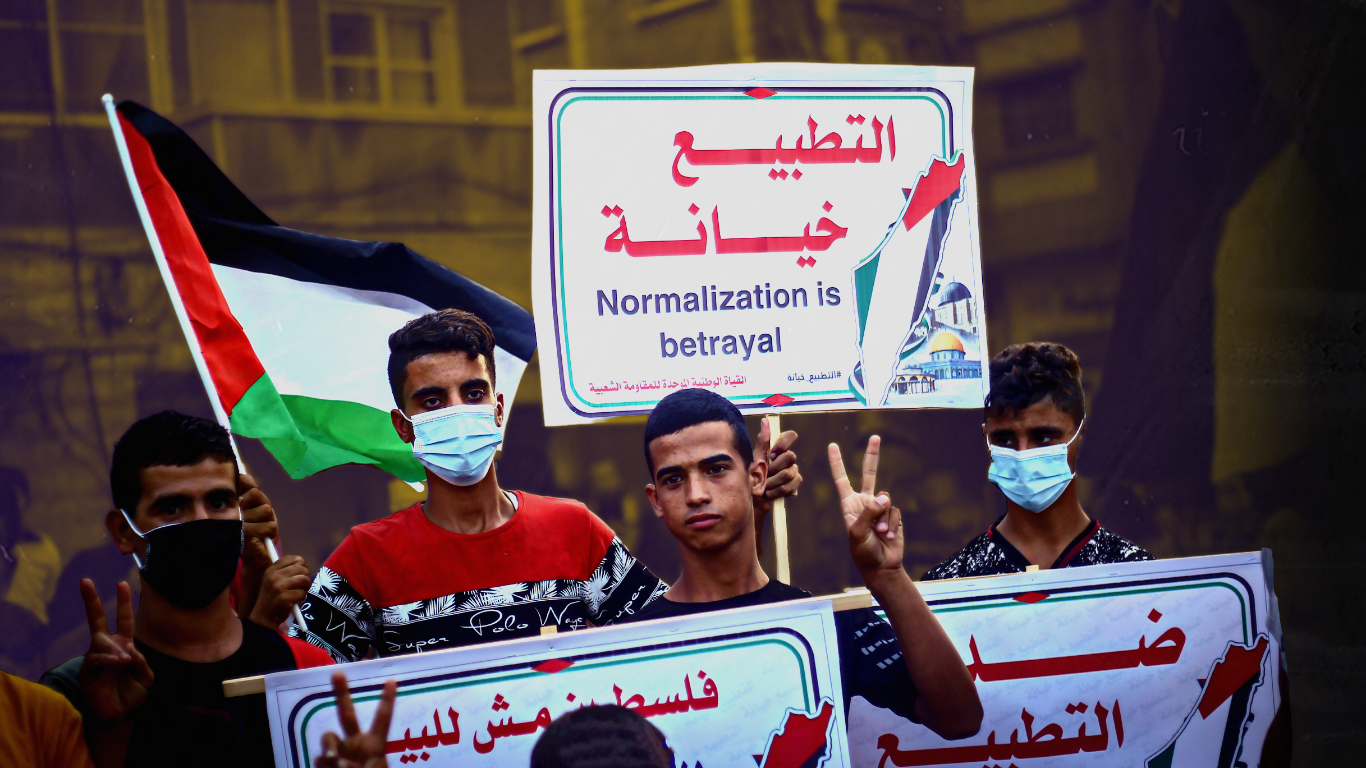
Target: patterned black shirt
x=990 y=554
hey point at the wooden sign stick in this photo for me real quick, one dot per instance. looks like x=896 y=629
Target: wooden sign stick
x=779 y=516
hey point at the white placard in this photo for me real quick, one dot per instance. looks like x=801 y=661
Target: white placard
x=722 y=687
x=800 y=237
x=1162 y=664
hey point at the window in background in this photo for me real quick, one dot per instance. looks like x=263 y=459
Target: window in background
x=486 y=52
x=101 y=47
x=1039 y=110
x=380 y=55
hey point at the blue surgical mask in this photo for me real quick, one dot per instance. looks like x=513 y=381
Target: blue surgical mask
x=457 y=443
x=1033 y=478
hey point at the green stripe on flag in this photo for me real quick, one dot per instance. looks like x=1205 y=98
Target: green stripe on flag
x=307 y=435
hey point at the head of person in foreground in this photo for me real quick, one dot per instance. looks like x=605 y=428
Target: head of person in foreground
x=607 y=736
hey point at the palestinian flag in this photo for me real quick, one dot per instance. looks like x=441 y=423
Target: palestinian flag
x=893 y=285
x=291 y=329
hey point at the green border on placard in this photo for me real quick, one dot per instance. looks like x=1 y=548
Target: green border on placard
x=559 y=198
x=803 y=674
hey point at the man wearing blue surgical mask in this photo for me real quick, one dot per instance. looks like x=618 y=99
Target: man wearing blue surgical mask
x=1034 y=425
x=473 y=563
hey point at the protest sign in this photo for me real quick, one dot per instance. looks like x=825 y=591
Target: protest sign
x=1156 y=664
x=798 y=237
x=723 y=687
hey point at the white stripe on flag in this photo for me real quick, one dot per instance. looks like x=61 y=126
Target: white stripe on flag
x=328 y=342
x=890 y=310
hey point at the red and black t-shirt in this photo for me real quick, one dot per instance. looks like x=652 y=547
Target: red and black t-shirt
x=403 y=584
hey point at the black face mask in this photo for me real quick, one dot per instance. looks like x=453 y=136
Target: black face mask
x=191 y=563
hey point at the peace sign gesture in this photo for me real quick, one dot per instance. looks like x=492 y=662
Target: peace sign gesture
x=114 y=674
x=359 y=749
x=876 y=539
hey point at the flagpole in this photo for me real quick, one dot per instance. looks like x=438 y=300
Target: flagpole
x=179 y=305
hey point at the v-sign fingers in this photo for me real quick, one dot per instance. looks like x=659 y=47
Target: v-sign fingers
x=94 y=608
x=385 y=712
x=123 y=612
x=870 y=464
x=346 y=711
x=842 y=485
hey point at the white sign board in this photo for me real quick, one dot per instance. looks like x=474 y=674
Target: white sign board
x=800 y=237
x=723 y=687
x=1163 y=664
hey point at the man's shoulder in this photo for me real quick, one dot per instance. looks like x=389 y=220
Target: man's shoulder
x=64 y=680
x=1106 y=546
x=979 y=557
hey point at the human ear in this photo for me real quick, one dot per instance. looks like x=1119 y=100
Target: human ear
x=758 y=476
x=653 y=495
x=402 y=426
x=120 y=532
x=498 y=410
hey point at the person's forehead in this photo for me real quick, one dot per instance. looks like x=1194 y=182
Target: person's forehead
x=191 y=480
x=1041 y=414
x=693 y=444
x=448 y=370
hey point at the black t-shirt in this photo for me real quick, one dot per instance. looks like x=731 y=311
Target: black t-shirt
x=871 y=665
x=991 y=554
x=186 y=720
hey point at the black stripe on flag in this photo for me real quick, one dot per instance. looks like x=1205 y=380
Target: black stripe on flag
x=235 y=233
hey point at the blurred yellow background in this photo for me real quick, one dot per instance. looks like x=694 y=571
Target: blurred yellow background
x=1173 y=188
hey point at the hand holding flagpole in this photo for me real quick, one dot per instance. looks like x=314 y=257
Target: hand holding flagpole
x=169 y=280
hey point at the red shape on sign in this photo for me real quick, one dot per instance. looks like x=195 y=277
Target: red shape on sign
x=759 y=93
x=827 y=206
x=772 y=174
x=1153 y=615
x=1030 y=598
x=693 y=209
x=778 y=400
x=553 y=666
x=1238 y=666
x=796 y=175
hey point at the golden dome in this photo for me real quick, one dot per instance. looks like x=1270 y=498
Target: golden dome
x=945 y=342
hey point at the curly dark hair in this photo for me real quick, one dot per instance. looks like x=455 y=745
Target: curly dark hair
x=1024 y=374
x=603 y=736
x=169 y=439
x=449 y=330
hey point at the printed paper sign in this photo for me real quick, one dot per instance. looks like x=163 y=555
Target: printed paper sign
x=794 y=236
x=726 y=688
x=1158 y=664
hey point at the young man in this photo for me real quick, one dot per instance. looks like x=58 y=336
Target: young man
x=151 y=692
x=1035 y=420
x=703 y=478
x=473 y=563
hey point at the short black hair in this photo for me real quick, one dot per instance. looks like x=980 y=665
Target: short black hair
x=602 y=736
x=448 y=330
x=1024 y=374
x=689 y=407
x=167 y=439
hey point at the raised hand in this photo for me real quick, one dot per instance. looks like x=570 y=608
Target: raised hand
x=283 y=585
x=258 y=523
x=114 y=675
x=876 y=540
x=784 y=478
x=359 y=749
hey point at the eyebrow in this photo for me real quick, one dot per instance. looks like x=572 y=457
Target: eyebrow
x=710 y=460
x=473 y=383
x=425 y=392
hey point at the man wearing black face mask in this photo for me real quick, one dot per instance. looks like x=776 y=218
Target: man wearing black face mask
x=150 y=693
